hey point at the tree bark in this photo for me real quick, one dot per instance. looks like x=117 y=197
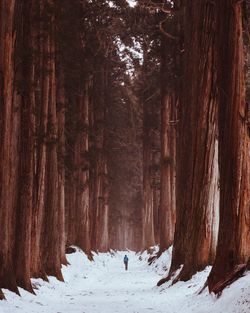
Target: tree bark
x=168 y=171
x=98 y=174
x=61 y=104
x=148 y=232
x=52 y=214
x=234 y=144
x=82 y=218
x=197 y=175
x=24 y=205
x=42 y=103
x=79 y=194
x=7 y=44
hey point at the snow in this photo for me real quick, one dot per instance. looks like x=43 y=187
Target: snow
x=104 y=286
x=132 y=3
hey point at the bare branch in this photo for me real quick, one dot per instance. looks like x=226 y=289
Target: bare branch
x=160 y=6
x=168 y=35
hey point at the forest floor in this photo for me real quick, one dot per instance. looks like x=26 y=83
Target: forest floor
x=103 y=286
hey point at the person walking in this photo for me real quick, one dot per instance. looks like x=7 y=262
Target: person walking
x=126 y=262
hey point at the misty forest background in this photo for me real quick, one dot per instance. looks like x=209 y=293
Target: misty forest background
x=124 y=127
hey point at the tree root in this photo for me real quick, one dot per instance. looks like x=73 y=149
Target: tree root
x=231 y=277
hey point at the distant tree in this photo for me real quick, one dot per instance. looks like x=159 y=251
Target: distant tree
x=170 y=93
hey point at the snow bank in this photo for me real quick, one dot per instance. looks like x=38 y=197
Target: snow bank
x=160 y=265
x=234 y=299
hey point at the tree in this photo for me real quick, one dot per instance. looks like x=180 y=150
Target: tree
x=233 y=241
x=197 y=174
x=149 y=95
x=170 y=93
x=7 y=45
x=25 y=182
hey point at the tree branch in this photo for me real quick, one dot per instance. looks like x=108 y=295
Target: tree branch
x=168 y=35
x=161 y=7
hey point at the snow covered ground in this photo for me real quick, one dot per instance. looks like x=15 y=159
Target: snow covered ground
x=103 y=286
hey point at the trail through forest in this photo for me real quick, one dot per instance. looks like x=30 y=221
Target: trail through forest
x=103 y=286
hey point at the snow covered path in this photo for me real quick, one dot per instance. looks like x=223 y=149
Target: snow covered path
x=104 y=286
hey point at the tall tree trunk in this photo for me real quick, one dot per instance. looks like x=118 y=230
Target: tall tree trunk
x=7 y=44
x=61 y=103
x=170 y=94
x=99 y=185
x=52 y=218
x=168 y=172
x=79 y=231
x=42 y=82
x=83 y=232
x=197 y=176
x=234 y=144
x=26 y=169
x=148 y=233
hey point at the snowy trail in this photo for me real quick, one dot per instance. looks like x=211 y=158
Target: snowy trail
x=117 y=290
x=101 y=286
x=104 y=286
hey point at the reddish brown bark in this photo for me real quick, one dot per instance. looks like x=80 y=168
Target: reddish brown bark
x=234 y=144
x=170 y=93
x=78 y=196
x=22 y=250
x=82 y=218
x=168 y=171
x=197 y=176
x=148 y=231
x=42 y=85
x=98 y=174
x=48 y=210
x=70 y=209
x=151 y=153
x=237 y=272
x=7 y=44
x=51 y=229
x=61 y=103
